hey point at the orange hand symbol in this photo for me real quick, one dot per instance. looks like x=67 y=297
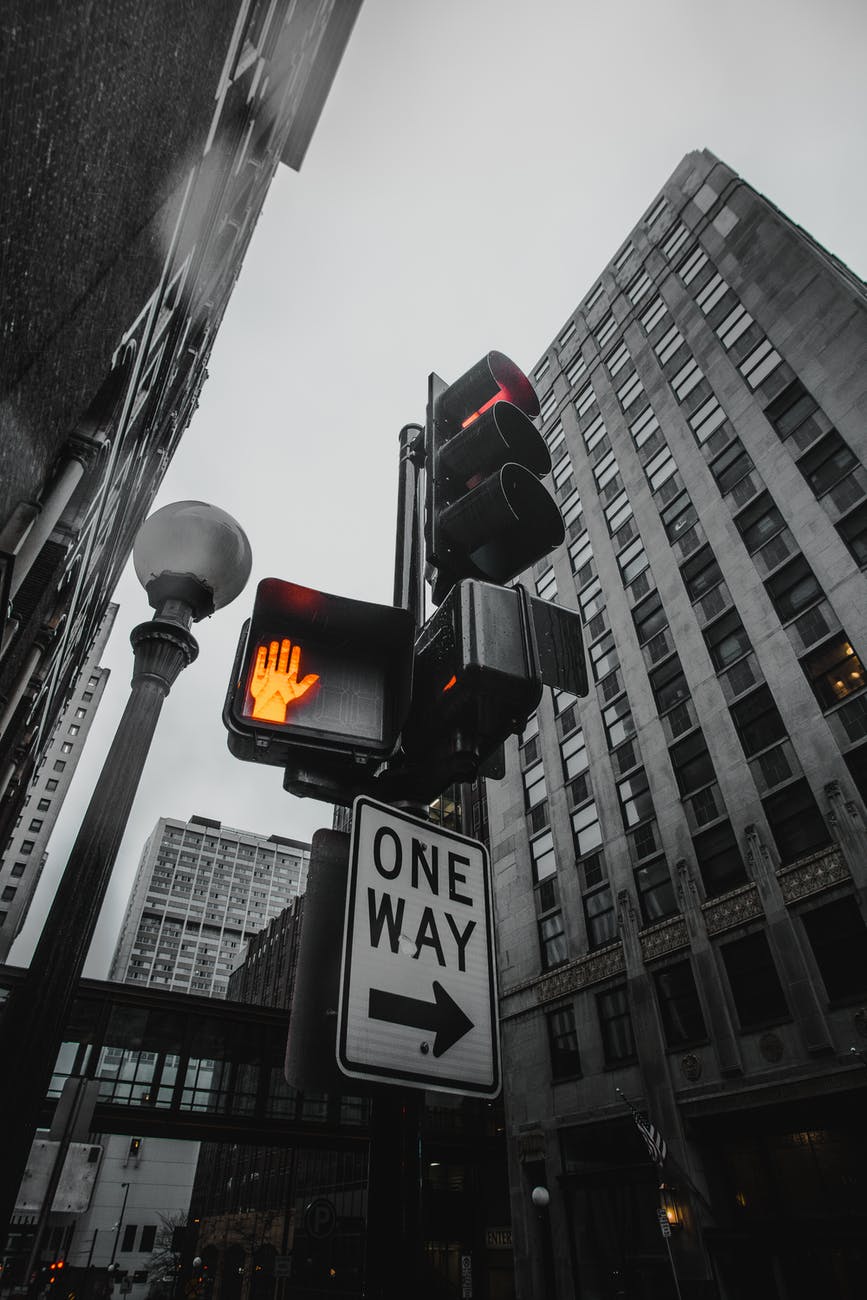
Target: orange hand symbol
x=274 y=684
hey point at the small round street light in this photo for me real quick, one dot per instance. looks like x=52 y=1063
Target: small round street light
x=192 y=559
x=541 y=1197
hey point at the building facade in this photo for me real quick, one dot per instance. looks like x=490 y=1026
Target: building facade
x=202 y=892
x=27 y=849
x=125 y=216
x=680 y=859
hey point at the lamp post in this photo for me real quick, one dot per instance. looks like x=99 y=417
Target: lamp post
x=541 y=1198
x=191 y=559
x=112 y=1263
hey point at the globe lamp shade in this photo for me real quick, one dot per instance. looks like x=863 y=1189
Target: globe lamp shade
x=194 y=553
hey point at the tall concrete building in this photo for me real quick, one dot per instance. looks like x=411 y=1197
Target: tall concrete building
x=139 y=147
x=202 y=890
x=680 y=859
x=27 y=849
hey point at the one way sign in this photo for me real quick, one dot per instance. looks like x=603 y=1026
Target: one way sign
x=418 y=994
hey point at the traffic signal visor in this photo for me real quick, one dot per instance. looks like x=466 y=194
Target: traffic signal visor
x=321 y=670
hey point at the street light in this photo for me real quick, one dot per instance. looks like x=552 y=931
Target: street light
x=192 y=559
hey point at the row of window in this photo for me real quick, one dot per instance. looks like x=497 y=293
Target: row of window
x=837 y=937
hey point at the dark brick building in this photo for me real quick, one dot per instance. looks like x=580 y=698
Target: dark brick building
x=680 y=860
x=139 y=142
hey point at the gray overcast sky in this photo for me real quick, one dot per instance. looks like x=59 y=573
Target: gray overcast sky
x=476 y=165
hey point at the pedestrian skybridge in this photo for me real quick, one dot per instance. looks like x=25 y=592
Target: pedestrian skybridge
x=174 y=1065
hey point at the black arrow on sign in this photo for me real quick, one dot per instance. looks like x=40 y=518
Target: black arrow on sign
x=443 y=1016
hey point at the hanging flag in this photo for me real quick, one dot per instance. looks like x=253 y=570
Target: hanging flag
x=657 y=1146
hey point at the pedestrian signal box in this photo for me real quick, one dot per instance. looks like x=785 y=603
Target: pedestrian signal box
x=318 y=671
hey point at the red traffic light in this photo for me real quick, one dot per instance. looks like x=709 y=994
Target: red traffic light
x=488 y=516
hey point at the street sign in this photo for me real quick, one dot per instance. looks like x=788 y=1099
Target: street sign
x=418 y=994
x=664 y=1225
x=320 y=1218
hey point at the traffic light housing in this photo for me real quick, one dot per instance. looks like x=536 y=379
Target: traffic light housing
x=318 y=673
x=488 y=515
x=480 y=664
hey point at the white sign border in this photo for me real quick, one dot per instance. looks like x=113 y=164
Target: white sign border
x=413 y=1078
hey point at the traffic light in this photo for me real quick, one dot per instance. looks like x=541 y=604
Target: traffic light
x=318 y=675
x=480 y=664
x=488 y=515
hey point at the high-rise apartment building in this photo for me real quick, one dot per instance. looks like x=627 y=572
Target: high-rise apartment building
x=27 y=849
x=680 y=859
x=202 y=890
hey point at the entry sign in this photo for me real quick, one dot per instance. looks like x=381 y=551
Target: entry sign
x=418 y=994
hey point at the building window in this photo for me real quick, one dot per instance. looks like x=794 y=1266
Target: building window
x=35 y=824
x=701 y=573
x=619 y=723
x=629 y=391
x=574 y=754
x=59 y=765
x=586 y=829
x=617 y=512
x=711 y=293
x=43 y=805
x=759 y=523
x=757 y=721
x=731 y=467
x=562 y=474
x=706 y=420
x=594 y=433
x=834 y=671
x=66 y=747
x=675 y=240
x=8 y=893
x=548 y=405
x=542 y=853
x=600 y=917
x=51 y=785
x=727 y=640
x=797 y=825
x=27 y=846
x=552 y=941
x=542 y=369
x=73 y=729
x=563 y=1043
x=660 y=468
x=793 y=415
x=615 y=1024
x=605 y=330
x=546 y=586
x=825 y=464
x=754 y=982
x=567 y=334
x=670 y=342
x=649 y=618
x=653 y=314
x=761 y=362
x=585 y=400
x=81 y=713
x=687 y=378
x=669 y=684
x=838 y=938
x=637 y=288
x=617 y=360
x=732 y=326
x=692 y=764
x=853 y=531
x=603 y=657
x=679 y=1007
x=576 y=369
x=719 y=859
x=644 y=426
x=18 y=868
x=534 y=785
x=636 y=804
x=694 y=262
x=793 y=588
x=128 y=1241
x=656 y=895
